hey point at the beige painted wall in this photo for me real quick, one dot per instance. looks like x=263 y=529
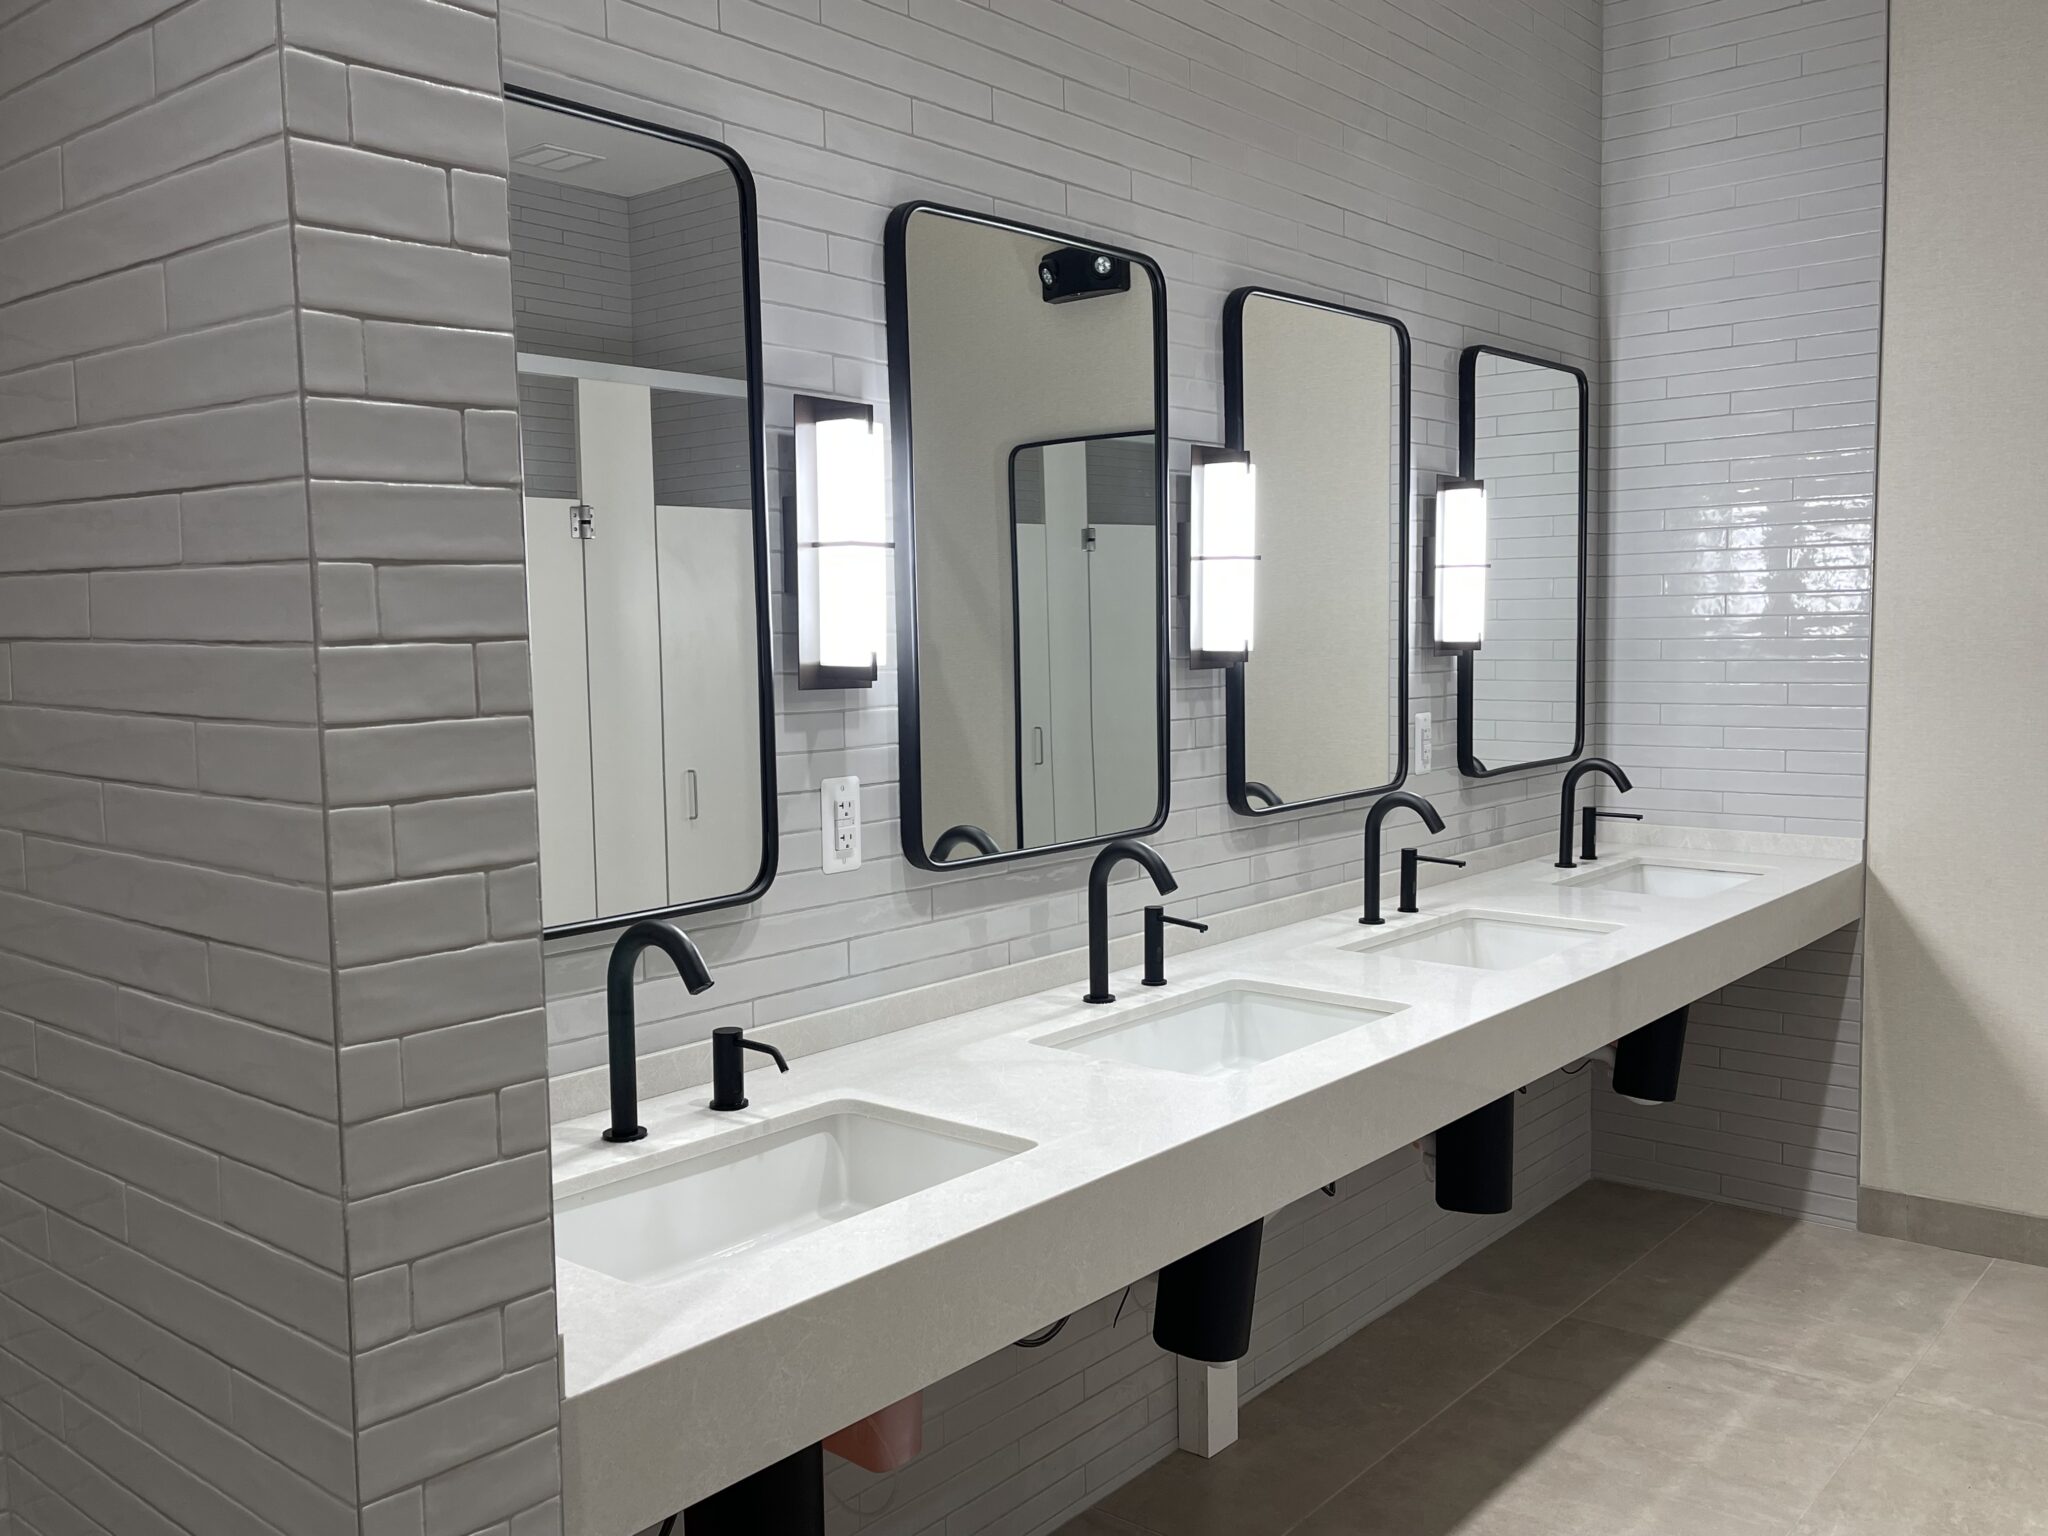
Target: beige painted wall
x=1956 y=1071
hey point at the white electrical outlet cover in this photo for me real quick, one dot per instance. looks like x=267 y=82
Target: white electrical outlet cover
x=1424 y=742
x=839 y=823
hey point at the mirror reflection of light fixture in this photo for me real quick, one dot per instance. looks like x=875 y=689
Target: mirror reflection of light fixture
x=841 y=544
x=1458 y=584
x=1223 y=553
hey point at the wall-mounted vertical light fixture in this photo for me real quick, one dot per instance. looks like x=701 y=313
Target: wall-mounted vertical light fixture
x=1458 y=556
x=840 y=540
x=1223 y=554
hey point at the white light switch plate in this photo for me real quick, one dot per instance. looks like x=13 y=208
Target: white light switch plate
x=1423 y=742
x=839 y=817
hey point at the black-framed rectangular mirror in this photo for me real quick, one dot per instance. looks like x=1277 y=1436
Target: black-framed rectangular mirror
x=1318 y=394
x=1027 y=383
x=636 y=314
x=1524 y=428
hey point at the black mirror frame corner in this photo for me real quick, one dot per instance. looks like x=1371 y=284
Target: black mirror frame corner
x=750 y=265
x=903 y=501
x=1243 y=791
x=1469 y=764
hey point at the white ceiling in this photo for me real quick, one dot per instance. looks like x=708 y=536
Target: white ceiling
x=632 y=162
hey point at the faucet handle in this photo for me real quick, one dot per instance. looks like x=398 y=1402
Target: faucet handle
x=1155 y=942
x=1590 y=818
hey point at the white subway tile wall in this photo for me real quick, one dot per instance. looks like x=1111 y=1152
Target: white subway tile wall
x=273 y=1193
x=1395 y=156
x=1392 y=155
x=1742 y=240
x=273 y=1209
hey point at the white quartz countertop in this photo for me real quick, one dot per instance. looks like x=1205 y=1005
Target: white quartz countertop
x=671 y=1391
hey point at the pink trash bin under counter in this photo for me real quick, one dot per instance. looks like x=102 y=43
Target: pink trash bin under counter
x=884 y=1441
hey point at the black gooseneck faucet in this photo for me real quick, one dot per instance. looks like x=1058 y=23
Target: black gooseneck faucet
x=1573 y=774
x=1098 y=906
x=1382 y=808
x=618 y=1010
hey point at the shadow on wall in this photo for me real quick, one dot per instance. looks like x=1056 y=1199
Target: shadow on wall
x=1769 y=1111
x=1941 y=1064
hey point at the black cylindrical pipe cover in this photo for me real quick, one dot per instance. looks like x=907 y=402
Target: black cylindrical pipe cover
x=1647 y=1060
x=786 y=1499
x=1475 y=1160
x=1204 y=1310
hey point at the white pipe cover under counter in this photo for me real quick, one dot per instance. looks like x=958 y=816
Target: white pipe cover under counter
x=1023 y=1159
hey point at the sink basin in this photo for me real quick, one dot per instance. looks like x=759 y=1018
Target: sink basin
x=1485 y=941
x=1657 y=877
x=1225 y=1029
x=767 y=1189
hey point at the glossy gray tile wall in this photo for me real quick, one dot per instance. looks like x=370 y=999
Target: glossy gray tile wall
x=275 y=1240
x=1394 y=155
x=1744 y=166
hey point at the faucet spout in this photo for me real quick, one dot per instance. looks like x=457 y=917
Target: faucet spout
x=618 y=989
x=1147 y=858
x=1382 y=808
x=1573 y=774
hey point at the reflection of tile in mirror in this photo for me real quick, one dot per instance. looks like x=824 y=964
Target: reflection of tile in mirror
x=1526 y=449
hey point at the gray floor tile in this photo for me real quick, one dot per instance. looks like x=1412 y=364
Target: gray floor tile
x=1095 y=1523
x=1578 y=1245
x=1840 y=1305
x=1597 y=1432
x=1925 y=1470
x=1304 y=1438
x=1993 y=1354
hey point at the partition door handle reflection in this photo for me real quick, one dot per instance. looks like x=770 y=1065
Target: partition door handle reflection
x=690 y=789
x=1038 y=746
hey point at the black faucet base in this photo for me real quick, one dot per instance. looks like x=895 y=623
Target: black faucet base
x=632 y=1133
x=1372 y=922
x=1098 y=997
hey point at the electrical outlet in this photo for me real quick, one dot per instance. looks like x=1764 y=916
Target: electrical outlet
x=839 y=818
x=1424 y=742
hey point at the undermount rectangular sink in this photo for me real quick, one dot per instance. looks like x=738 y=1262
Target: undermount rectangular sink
x=825 y=1168
x=1223 y=1030
x=1661 y=877
x=1484 y=941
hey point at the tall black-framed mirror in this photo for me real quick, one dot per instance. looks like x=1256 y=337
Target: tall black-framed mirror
x=636 y=316
x=1027 y=384
x=1318 y=394
x=1524 y=427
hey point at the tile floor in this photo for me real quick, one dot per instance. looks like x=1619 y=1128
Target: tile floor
x=1633 y=1363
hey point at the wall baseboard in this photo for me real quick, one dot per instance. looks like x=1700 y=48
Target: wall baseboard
x=1949 y=1224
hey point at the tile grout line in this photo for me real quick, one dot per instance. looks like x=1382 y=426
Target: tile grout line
x=1564 y=1317
x=1896 y=1393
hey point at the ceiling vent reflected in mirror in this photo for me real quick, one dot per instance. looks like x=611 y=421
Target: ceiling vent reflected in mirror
x=556 y=159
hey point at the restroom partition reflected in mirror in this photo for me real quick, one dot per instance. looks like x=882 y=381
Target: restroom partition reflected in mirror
x=636 y=321
x=1318 y=395
x=1523 y=427
x=1027 y=385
